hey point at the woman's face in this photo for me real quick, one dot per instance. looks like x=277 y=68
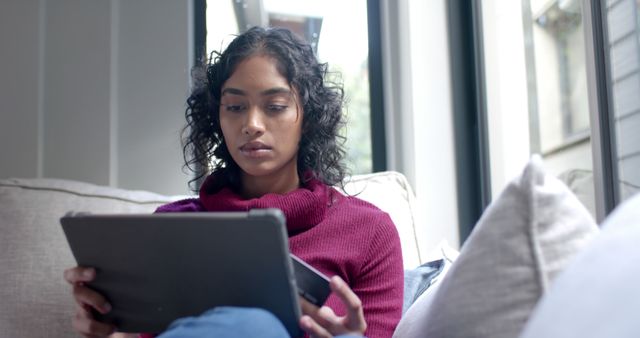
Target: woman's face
x=261 y=120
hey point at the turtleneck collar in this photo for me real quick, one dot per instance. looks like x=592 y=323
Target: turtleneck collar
x=303 y=208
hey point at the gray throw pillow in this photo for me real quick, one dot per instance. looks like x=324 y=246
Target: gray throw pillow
x=522 y=241
x=597 y=295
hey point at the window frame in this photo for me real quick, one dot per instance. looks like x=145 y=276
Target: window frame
x=376 y=88
x=473 y=168
x=600 y=108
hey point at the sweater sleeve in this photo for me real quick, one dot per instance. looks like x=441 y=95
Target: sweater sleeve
x=380 y=284
x=185 y=205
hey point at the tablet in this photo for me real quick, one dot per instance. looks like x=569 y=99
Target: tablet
x=155 y=268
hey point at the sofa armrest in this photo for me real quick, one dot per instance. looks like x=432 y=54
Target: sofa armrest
x=36 y=301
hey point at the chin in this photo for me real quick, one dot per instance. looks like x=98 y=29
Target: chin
x=258 y=170
x=267 y=168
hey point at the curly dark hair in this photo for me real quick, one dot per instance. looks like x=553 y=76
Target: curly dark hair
x=321 y=149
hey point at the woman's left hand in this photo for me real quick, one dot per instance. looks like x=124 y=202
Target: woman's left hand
x=324 y=323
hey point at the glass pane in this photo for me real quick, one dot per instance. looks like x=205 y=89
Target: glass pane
x=537 y=91
x=322 y=23
x=623 y=45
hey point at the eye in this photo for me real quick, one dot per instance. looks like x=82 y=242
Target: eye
x=234 y=108
x=276 y=108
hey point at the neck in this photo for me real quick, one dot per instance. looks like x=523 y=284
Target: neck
x=257 y=186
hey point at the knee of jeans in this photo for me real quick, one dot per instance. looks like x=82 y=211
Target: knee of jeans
x=246 y=313
x=248 y=322
x=229 y=322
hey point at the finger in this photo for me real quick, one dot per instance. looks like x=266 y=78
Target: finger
x=87 y=326
x=308 y=308
x=79 y=275
x=84 y=313
x=355 y=315
x=123 y=335
x=85 y=296
x=82 y=322
x=314 y=329
x=330 y=321
x=323 y=316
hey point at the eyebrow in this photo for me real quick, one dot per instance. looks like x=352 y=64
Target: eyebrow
x=267 y=92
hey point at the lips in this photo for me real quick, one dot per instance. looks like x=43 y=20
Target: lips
x=254 y=146
x=255 y=150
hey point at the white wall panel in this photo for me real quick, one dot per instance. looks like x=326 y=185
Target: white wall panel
x=76 y=90
x=19 y=47
x=153 y=84
x=94 y=90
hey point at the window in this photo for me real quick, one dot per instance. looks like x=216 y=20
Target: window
x=536 y=87
x=322 y=23
x=562 y=79
x=556 y=73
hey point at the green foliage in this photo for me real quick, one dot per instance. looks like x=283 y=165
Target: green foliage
x=358 y=115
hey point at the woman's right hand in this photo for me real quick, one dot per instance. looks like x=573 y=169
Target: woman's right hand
x=87 y=300
x=324 y=323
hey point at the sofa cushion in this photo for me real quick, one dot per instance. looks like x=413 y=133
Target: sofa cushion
x=36 y=302
x=522 y=241
x=391 y=192
x=597 y=295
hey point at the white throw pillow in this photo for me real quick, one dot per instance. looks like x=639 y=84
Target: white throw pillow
x=523 y=239
x=597 y=295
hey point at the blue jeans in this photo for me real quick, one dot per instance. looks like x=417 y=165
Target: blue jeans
x=229 y=322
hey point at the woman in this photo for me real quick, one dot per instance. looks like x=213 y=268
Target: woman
x=263 y=111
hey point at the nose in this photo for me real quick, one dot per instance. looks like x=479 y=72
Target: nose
x=254 y=123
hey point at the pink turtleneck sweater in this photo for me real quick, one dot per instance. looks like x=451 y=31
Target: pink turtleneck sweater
x=338 y=235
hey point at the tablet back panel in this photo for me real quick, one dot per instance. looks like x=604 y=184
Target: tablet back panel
x=156 y=268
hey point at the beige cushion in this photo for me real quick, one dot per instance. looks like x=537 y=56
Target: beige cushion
x=391 y=192
x=522 y=241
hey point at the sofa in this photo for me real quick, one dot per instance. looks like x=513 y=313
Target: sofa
x=502 y=283
x=36 y=301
